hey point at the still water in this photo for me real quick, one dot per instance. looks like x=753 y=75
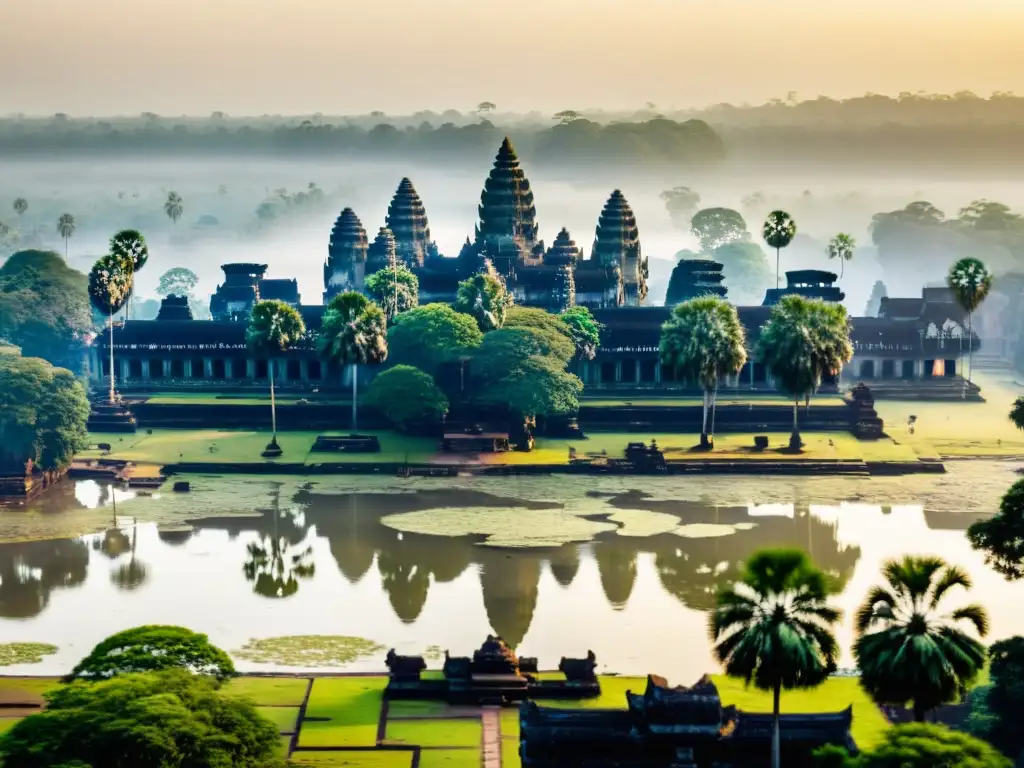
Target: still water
x=623 y=566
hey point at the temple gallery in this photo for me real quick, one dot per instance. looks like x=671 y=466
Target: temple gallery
x=912 y=342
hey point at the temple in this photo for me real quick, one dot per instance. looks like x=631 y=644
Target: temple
x=911 y=348
x=684 y=727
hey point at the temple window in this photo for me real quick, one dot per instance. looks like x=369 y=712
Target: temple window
x=608 y=372
x=238 y=369
x=218 y=369
x=867 y=369
x=648 y=371
x=177 y=369
x=156 y=368
x=888 y=369
x=261 y=369
x=198 y=369
x=668 y=373
x=629 y=371
x=314 y=369
x=950 y=366
x=294 y=369
x=134 y=369
x=908 y=369
x=105 y=366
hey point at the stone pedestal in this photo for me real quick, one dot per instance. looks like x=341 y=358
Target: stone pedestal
x=105 y=416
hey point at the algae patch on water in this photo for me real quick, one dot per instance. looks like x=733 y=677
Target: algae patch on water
x=24 y=653
x=710 y=530
x=308 y=650
x=500 y=527
x=641 y=523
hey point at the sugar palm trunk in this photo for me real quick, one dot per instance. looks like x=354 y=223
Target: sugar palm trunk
x=355 y=395
x=777 y=267
x=273 y=404
x=714 y=406
x=795 y=437
x=776 y=740
x=970 y=345
x=111 y=345
x=704 y=421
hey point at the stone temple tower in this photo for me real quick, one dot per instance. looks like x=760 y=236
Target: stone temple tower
x=507 y=232
x=346 y=256
x=407 y=219
x=617 y=242
x=382 y=251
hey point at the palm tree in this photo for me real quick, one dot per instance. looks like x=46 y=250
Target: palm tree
x=778 y=231
x=174 y=207
x=134 y=573
x=841 y=247
x=66 y=228
x=485 y=297
x=110 y=283
x=970 y=282
x=773 y=627
x=353 y=331
x=130 y=245
x=803 y=341
x=20 y=206
x=914 y=653
x=704 y=340
x=274 y=328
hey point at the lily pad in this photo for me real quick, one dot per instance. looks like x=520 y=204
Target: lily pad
x=641 y=523
x=710 y=530
x=308 y=650
x=24 y=653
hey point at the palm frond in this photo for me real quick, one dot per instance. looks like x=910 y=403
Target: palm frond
x=869 y=611
x=976 y=615
x=952 y=576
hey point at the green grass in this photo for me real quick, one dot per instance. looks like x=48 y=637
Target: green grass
x=269 y=691
x=171 y=446
x=33 y=685
x=510 y=753
x=285 y=718
x=6 y=723
x=352 y=706
x=835 y=694
x=402 y=708
x=831 y=401
x=249 y=398
x=613 y=695
x=510 y=722
x=435 y=732
x=450 y=758
x=369 y=758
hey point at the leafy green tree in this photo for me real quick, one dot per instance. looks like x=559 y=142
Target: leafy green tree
x=178 y=281
x=681 y=203
x=747 y=271
x=584 y=330
x=841 y=247
x=558 y=340
x=354 y=332
x=1001 y=538
x=431 y=335
x=918 y=745
x=66 y=228
x=485 y=298
x=44 y=305
x=803 y=341
x=43 y=415
x=773 y=628
x=1017 y=413
x=131 y=246
x=409 y=398
x=110 y=285
x=703 y=340
x=395 y=289
x=156 y=720
x=909 y=652
x=274 y=328
x=970 y=282
x=989 y=216
x=778 y=231
x=174 y=206
x=150 y=648
x=715 y=227
x=1004 y=697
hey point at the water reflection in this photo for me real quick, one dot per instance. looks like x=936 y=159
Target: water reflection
x=30 y=571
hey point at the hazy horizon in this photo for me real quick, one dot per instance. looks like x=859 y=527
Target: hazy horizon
x=254 y=57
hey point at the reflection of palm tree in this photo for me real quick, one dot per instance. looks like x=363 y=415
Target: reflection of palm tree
x=132 y=574
x=616 y=562
x=273 y=566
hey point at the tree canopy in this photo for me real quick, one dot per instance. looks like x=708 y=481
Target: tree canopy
x=150 y=648
x=1001 y=538
x=394 y=284
x=274 y=327
x=408 y=397
x=44 y=305
x=919 y=745
x=130 y=245
x=43 y=414
x=353 y=331
x=558 y=340
x=585 y=331
x=715 y=227
x=1004 y=697
x=178 y=281
x=158 y=720
x=430 y=335
x=485 y=298
x=110 y=283
x=747 y=271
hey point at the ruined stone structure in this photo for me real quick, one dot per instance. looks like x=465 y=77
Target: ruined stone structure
x=382 y=251
x=809 y=283
x=695 y=277
x=617 y=244
x=346 y=256
x=407 y=220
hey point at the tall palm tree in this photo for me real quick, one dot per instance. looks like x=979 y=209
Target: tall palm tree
x=353 y=331
x=773 y=627
x=133 y=574
x=20 y=206
x=704 y=340
x=66 y=228
x=130 y=245
x=778 y=231
x=274 y=328
x=841 y=247
x=906 y=649
x=174 y=207
x=970 y=282
x=110 y=283
x=803 y=341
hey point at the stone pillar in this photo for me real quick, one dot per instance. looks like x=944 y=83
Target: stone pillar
x=919 y=369
x=250 y=369
x=167 y=369
x=657 y=372
x=207 y=368
x=145 y=369
x=304 y=369
x=188 y=369
x=281 y=371
x=122 y=375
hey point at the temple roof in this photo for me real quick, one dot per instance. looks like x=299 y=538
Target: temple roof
x=174 y=308
x=617 y=233
x=348 y=239
x=824 y=728
x=508 y=217
x=563 y=250
x=281 y=289
x=407 y=219
x=382 y=250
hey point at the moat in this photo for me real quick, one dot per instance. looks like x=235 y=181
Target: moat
x=624 y=566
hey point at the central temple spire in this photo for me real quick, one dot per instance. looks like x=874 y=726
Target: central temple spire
x=507 y=232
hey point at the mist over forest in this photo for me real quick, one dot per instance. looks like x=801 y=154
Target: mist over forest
x=267 y=189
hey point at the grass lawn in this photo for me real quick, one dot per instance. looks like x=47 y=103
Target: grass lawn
x=367 y=758
x=247 y=398
x=450 y=758
x=34 y=686
x=352 y=708
x=613 y=696
x=510 y=753
x=171 y=446
x=510 y=723
x=835 y=694
x=6 y=723
x=723 y=400
x=285 y=718
x=435 y=732
x=402 y=708
x=269 y=691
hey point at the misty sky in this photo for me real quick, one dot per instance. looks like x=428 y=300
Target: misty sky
x=349 y=56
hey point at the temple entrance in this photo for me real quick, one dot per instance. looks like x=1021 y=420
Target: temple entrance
x=198 y=369
x=667 y=374
x=218 y=369
x=238 y=369
x=314 y=370
x=156 y=369
x=134 y=369
x=888 y=369
x=608 y=372
x=294 y=369
x=177 y=369
x=648 y=371
x=628 y=372
x=261 y=369
x=760 y=375
x=950 y=366
x=867 y=369
x=933 y=368
x=908 y=369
